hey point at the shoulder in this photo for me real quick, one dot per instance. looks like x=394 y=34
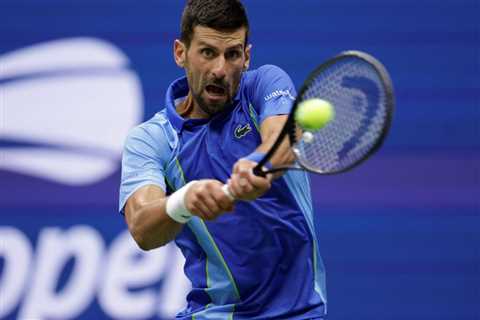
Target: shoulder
x=156 y=133
x=267 y=71
x=148 y=129
x=267 y=78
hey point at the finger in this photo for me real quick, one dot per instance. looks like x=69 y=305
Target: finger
x=239 y=165
x=198 y=213
x=239 y=186
x=242 y=164
x=257 y=181
x=191 y=203
x=198 y=208
x=236 y=168
x=204 y=211
x=245 y=180
x=207 y=201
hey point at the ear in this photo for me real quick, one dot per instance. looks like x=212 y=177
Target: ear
x=179 y=53
x=247 y=57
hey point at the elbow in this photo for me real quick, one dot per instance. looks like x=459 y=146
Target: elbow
x=145 y=246
x=139 y=239
x=148 y=235
x=138 y=232
x=143 y=242
x=139 y=236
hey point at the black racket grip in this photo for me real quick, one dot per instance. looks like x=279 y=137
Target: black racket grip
x=257 y=170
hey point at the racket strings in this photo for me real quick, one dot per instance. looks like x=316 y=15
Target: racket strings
x=357 y=93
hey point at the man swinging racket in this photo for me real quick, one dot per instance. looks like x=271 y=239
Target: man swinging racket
x=251 y=253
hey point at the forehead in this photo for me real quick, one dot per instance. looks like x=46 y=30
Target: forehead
x=216 y=38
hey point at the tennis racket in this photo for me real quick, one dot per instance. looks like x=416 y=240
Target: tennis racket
x=361 y=92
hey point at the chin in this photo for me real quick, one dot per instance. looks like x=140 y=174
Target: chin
x=214 y=109
x=215 y=105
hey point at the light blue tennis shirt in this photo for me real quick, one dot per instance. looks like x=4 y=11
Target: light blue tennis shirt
x=261 y=261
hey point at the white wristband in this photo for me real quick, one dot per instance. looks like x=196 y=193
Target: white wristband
x=175 y=206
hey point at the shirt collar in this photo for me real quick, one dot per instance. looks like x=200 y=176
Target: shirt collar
x=178 y=90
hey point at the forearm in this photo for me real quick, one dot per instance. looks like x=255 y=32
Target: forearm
x=154 y=220
x=151 y=227
x=269 y=131
x=147 y=219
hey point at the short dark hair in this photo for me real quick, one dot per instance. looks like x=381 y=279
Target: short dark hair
x=222 y=15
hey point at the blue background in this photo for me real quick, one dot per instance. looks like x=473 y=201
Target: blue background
x=399 y=235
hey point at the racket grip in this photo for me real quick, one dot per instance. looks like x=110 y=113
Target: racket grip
x=227 y=192
x=257 y=170
x=259 y=158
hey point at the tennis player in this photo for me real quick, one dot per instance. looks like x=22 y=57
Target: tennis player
x=250 y=256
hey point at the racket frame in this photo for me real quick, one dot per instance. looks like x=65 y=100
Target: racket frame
x=290 y=127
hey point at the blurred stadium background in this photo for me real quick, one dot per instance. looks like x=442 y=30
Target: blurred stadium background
x=400 y=235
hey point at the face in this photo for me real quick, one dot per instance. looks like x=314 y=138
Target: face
x=214 y=63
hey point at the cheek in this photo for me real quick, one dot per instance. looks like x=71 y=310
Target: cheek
x=194 y=77
x=237 y=75
x=195 y=72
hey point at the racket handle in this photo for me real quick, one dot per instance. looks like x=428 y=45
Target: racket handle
x=257 y=170
x=227 y=192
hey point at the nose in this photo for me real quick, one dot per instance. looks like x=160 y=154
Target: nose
x=218 y=70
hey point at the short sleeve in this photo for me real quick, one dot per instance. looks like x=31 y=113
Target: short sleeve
x=141 y=164
x=272 y=92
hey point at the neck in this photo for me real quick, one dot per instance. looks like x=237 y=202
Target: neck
x=189 y=109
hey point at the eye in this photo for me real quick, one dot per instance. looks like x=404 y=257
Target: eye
x=233 y=55
x=207 y=53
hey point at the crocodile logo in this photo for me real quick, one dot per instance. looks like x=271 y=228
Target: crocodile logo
x=242 y=130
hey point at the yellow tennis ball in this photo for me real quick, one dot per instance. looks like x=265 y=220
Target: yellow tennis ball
x=314 y=114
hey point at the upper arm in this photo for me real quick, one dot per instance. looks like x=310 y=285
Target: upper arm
x=142 y=166
x=272 y=92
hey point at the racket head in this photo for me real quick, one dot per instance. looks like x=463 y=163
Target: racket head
x=361 y=92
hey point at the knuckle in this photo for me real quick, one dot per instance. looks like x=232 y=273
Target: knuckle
x=201 y=189
x=201 y=196
x=190 y=207
x=216 y=183
x=196 y=203
x=211 y=185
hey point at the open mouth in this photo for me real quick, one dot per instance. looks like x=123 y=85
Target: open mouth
x=215 y=90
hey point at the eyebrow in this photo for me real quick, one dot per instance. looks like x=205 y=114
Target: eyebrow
x=203 y=43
